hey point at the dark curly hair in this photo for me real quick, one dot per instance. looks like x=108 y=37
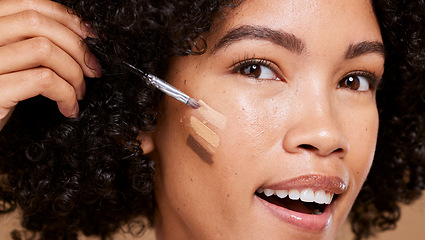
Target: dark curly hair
x=89 y=174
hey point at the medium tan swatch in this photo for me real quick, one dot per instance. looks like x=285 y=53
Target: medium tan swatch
x=205 y=132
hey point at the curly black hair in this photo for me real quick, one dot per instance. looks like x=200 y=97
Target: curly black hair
x=89 y=174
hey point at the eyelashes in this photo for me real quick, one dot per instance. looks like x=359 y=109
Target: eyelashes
x=263 y=70
x=361 y=81
x=259 y=69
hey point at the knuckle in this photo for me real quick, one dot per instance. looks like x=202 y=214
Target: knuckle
x=42 y=46
x=47 y=81
x=44 y=77
x=33 y=18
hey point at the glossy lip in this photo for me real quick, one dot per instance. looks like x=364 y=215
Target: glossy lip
x=308 y=222
x=331 y=184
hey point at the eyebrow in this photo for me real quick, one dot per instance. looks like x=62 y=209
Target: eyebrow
x=365 y=47
x=281 y=38
x=290 y=41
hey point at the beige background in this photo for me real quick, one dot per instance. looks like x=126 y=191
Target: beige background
x=411 y=226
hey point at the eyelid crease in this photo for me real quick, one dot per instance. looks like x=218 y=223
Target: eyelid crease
x=237 y=66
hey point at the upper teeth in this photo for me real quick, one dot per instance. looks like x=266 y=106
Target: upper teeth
x=306 y=195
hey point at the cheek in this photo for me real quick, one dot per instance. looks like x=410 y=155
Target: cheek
x=255 y=127
x=363 y=143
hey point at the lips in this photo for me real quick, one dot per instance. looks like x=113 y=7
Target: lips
x=304 y=201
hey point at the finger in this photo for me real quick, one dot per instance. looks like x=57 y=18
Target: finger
x=28 y=24
x=4 y=120
x=38 y=51
x=19 y=86
x=54 y=10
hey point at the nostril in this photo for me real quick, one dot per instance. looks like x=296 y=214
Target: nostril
x=338 y=150
x=318 y=141
x=308 y=147
x=313 y=148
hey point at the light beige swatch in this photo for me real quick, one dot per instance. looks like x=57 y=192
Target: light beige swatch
x=212 y=116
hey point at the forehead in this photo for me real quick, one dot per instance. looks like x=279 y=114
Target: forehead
x=314 y=22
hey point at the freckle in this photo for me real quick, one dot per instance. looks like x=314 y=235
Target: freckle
x=228 y=195
x=191 y=179
x=178 y=209
x=224 y=91
x=236 y=173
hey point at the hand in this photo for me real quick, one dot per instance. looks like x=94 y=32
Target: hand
x=42 y=53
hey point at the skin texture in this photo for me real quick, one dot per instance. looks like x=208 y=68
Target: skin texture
x=277 y=129
x=42 y=43
x=99 y=156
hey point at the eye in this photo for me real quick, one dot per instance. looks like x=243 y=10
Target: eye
x=259 y=69
x=355 y=82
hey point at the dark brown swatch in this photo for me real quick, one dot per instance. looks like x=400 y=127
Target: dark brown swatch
x=199 y=149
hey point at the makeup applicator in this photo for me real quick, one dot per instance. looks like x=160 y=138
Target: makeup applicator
x=163 y=86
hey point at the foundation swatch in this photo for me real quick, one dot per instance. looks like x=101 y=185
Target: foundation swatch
x=212 y=116
x=204 y=141
x=197 y=147
x=205 y=132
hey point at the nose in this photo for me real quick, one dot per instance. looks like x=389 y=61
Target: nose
x=317 y=130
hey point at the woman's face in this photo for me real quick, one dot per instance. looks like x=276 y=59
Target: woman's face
x=292 y=85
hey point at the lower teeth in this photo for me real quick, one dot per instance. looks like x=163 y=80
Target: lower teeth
x=316 y=212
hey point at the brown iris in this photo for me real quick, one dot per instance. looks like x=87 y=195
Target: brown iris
x=352 y=82
x=253 y=71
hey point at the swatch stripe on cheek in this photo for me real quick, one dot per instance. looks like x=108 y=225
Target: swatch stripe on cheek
x=212 y=116
x=205 y=140
x=203 y=153
x=204 y=143
x=205 y=132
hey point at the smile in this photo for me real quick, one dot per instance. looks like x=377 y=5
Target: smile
x=306 y=201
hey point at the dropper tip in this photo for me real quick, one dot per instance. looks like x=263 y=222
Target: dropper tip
x=193 y=103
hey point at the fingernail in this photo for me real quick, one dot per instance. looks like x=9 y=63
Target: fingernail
x=95 y=66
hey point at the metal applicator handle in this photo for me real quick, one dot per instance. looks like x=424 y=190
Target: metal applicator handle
x=163 y=86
